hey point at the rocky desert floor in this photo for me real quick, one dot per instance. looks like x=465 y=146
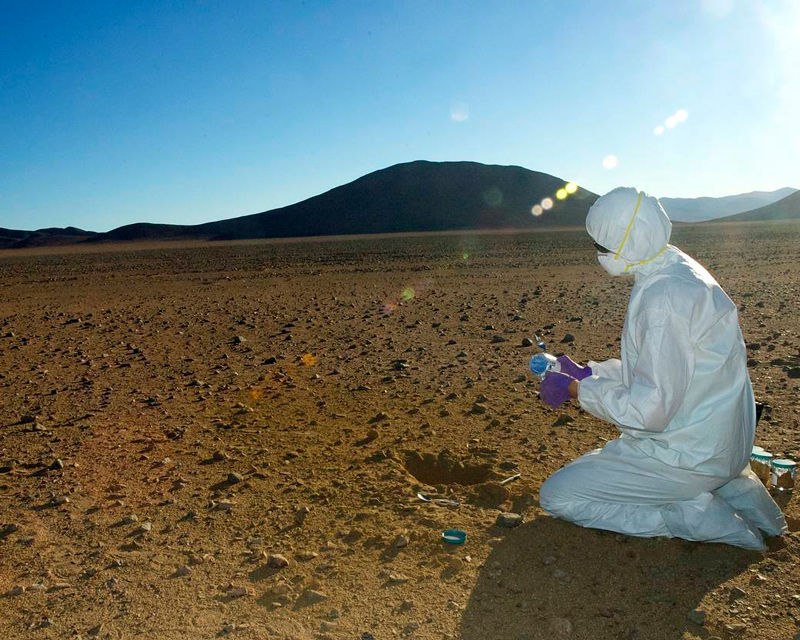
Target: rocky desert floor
x=204 y=440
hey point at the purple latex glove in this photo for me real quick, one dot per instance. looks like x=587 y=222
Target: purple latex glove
x=572 y=368
x=554 y=389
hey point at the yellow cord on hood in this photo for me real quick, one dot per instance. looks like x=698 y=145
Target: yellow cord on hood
x=633 y=264
x=630 y=226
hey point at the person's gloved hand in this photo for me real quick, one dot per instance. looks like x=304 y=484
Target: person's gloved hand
x=554 y=389
x=572 y=368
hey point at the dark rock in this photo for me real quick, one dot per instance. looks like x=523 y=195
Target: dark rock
x=698 y=616
x=277 y=561
x=737 y=593
x=508 y=520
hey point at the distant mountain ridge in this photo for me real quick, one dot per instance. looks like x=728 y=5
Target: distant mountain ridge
x=421 y=196
x=413 y=196
x=53 y=236
x=703 y=209
x=786 y=209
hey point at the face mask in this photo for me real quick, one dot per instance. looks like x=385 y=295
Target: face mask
x=612 y=266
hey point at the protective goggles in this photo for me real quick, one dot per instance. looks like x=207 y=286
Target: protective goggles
x=601 y=248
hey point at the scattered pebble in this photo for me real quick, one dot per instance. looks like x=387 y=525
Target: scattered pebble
x=314 y=597
x=400 y=541
x=301 y=514
x=698 y=616
x=508 y=520
x=737 y=593
x=145 y=527
x=277 y=561
x=398 y=578
x=455 y=564
x=560 y=626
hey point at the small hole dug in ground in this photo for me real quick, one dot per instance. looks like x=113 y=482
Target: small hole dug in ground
x=446 y=473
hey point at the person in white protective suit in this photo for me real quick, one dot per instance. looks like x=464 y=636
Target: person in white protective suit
x=680 y=396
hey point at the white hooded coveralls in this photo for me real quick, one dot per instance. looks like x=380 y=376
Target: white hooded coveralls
x=680 y=396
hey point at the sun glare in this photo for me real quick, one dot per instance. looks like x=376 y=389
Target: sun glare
x=459 y=112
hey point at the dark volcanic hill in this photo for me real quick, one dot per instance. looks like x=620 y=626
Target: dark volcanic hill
x=786 y=209
x=414 y=196
x=14 y=239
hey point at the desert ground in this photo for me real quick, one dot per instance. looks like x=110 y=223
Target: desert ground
x=227 y=440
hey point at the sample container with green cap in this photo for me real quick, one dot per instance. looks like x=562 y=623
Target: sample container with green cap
x=784 y=473
x=761 y=464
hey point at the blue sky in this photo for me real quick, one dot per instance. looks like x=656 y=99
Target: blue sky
x=185 y=112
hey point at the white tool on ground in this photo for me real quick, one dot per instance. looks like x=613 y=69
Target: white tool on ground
x=436 y=500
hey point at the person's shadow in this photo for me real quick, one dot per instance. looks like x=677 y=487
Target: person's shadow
x=551 y=579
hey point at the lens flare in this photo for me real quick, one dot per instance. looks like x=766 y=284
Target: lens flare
x=547 y=204
x=681 y=115
x=537 y=210
x=388 y=307
x=493 y=197
x=659 y=130
x=717 y=8
x=671 y=122
x=459 y=112
x=610 y=162
x=464 y=255
x=408 y=294
x=309 y=359
x=561 y=194
x=571 y=187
